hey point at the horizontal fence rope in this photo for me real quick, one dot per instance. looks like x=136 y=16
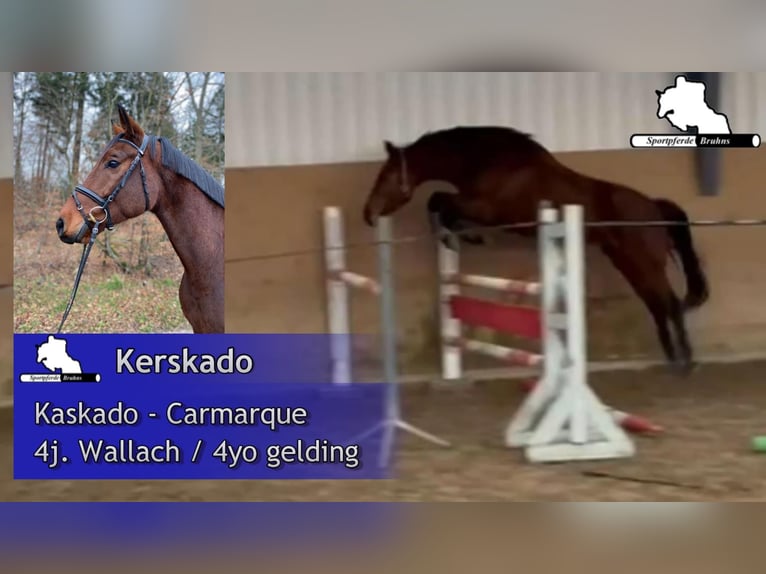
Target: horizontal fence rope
x=694 y=223
x=509 y=227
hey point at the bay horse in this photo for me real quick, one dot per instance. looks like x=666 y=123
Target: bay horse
x=499 y=176
x=127 y=182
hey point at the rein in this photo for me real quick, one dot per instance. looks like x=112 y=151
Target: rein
x=93 y=223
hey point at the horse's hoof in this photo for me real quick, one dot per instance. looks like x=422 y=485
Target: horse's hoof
x=684 y=369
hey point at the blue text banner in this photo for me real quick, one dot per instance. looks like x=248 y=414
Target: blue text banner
x=190 y=407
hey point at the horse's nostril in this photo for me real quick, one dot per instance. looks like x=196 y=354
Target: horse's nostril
x=60 y=226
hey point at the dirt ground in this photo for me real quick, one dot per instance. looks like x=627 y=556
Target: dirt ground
x=704 y=453
x=118 y=294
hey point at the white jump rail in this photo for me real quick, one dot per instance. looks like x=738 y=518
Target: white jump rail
x=451 y=277
x=508 y=355
x=496 y=284
x=561 y=418
x=450 y=281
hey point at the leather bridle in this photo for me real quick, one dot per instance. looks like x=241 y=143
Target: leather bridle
x=92 y=222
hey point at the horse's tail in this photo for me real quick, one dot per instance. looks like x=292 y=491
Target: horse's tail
x=696 y=282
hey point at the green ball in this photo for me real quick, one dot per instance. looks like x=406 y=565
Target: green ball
x=759 y=444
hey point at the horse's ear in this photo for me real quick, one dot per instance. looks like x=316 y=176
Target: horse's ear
x=122 y=113
x=133 y=131
x=117 y=129
x=391 y=149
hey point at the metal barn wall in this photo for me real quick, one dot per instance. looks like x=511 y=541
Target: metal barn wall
x=743 y=96
x=292 y=118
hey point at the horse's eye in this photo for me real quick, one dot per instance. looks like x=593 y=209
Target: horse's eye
x=112 y=164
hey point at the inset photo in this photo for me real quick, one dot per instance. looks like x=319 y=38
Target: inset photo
x=119 y=202
x=6 y=241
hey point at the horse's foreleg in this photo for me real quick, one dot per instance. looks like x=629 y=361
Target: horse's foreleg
x=189 y=306
x=445 y=212
x=443 y=215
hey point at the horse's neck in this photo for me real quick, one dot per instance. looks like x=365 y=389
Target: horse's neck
x=436 y=163
x=191 y=221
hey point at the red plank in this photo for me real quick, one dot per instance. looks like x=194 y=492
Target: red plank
x=515 y=320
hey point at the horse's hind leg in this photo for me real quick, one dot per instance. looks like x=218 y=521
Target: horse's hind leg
x=653 y=288
x=677 y=318
x=666 y=308
x=661 y=316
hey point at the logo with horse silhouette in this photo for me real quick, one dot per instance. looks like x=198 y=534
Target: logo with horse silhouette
x=54 y=355
x=685 y=106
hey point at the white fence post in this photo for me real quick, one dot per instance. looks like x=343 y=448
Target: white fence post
x=574 y=295
x=337 y=297
x=450 y=328
x=551 y=263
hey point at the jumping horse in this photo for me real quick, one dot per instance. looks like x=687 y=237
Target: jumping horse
x=125 y=183
x=499 y=176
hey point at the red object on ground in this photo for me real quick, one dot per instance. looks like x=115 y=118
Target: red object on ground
x=630 y=422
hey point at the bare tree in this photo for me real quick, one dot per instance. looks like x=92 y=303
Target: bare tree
x=198 y=106
x=81 y=90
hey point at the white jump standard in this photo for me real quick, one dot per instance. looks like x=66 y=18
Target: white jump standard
x=561 y=418
x=339 y=280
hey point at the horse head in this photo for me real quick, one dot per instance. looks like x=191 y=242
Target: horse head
x=394 y=186
x=122 y=185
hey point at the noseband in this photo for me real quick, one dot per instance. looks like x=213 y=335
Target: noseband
x=90 y=219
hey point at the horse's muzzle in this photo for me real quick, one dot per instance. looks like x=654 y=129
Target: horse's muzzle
x=61 y=231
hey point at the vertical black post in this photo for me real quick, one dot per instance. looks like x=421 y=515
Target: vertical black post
x=708 y=160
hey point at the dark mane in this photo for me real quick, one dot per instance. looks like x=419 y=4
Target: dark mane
x=181 y=164
x=473 y=137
